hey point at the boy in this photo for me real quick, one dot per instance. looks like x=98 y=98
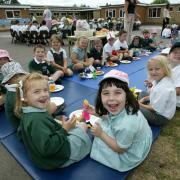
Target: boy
x=147 y=42
x=174 y=58
x=39 y=64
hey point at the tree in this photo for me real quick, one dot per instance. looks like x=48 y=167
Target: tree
x=160 y=2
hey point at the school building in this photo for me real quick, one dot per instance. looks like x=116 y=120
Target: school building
x=149 y=13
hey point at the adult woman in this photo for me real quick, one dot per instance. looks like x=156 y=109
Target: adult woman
x=129 y=6
x=166 y=16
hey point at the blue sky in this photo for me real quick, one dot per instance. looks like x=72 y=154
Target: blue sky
x=93 y=3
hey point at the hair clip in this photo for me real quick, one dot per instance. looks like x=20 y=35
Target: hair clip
x=21 y=91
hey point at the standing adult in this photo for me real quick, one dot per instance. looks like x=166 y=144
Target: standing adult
x=47 y=15
x=166 y=16
x=130 y=13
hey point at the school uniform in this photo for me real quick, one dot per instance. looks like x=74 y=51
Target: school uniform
x=146 y=44
x=120 y=45
x=48 y=144
x=57 y=57
x=41 y=67
x=95 y=54
x=43 y=28
x=131 y=132
x=9 y=105
x=163 y=97
x=107 y=49
x=81 y=53
x=176 y=79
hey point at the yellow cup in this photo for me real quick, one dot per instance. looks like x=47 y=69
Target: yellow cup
x=52 y=87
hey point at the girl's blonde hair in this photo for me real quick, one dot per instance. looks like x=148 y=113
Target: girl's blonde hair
x=80 y=39
x=24 y=86
x=55 y=37
x=162 y=61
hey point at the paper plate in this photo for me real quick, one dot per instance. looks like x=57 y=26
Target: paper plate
x=58 y=88
x=98 y=73
x=113 y=65
x=57 y=100
x=125 y=61
x=136 y=58
x=87 y=76
x=137 y=90
x=78 y=113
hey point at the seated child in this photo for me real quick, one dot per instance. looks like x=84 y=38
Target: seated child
x=49 y=144
x=175 y=37
x=96 y=52
x=79 y=55
x=120 y=43
x=159 y=105
x=12 y=73
x=147 y=42
x=123 y=137
x=57 y=56
x=43 y=26
x=136 y=43
x=166 y=33
x=39 y=64
x=4 y=58
x=174 y=59
x=108 y=49
x=155 y=39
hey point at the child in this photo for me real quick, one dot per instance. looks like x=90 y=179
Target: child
x=4 y=58
x=123 y=137
x=136 y=43
x=120 y=43
x=147 y=42
x=159 y=106
x=96 y=52
x=79 y=55
x=109 y=48
x=166 y=33
x=57 y=56
x=174 y=58
x=12 y=72
x=175 y=37
x=155 y=39
x=49 y=144
x=39 y=64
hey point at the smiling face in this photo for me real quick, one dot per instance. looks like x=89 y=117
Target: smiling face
x=123 y=37
x=83 y=43
x=37 y=94
x=39 y=53
x=156 y=72
x=113 y=99
x=56 y=44
x=174 y=57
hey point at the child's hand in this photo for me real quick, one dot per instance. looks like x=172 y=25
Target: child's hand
x=96 y=130
x=148 y=83
x=69 y=124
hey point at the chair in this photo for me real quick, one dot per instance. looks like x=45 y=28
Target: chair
x=12 y=35
x=43 y=37
x=34 y=37
x=28 y=37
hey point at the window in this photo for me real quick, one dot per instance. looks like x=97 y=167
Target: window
x=121 y=13
x=154 y=12
x=39 y=14
x=111 y=13
x=56 y=14
x=178 y=8
x=63 y=14
x=12 y=14
x=171 y=9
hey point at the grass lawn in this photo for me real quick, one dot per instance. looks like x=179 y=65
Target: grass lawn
x=163 y=162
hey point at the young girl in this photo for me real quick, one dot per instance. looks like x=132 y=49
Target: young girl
x=79 y=55
x=160 y=104
x=123 y=137
x=136 y=42
x=57 y=56
x=174 y=58
x=49 y=144
x=96 y=52
x=120 y=43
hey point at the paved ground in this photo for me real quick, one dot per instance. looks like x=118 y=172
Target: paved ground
x=9 y=168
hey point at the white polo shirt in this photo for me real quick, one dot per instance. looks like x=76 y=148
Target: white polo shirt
x=118 y=44
x=163 y=97
x=50 y=56
x=176 y=79
x=107 y=50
